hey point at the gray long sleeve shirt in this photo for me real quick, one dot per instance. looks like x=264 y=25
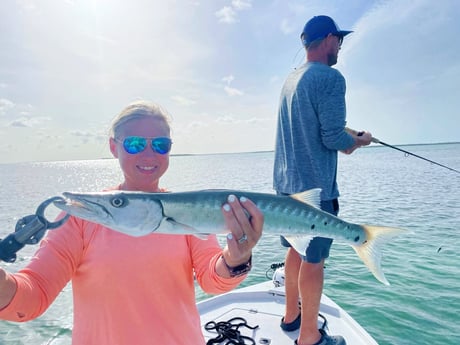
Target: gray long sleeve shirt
x=311 y=129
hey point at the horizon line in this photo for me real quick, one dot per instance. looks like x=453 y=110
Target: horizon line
x=372 y=146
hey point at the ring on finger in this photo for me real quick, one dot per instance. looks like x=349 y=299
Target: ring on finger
x=243 y=238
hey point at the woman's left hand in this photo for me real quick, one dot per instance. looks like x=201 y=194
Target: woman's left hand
x=245 y=222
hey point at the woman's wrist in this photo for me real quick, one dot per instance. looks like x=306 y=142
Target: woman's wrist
x=238 y=270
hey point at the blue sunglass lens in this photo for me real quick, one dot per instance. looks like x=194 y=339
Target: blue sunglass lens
x=134 y=145
x=161 y=145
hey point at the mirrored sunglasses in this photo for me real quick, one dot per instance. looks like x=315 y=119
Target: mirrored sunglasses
x=135 y=144
x=340 y=38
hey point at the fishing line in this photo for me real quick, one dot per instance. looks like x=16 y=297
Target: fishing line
x=377 y=141
x=294 y=63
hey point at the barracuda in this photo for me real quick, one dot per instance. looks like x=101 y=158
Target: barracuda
x=297 y=217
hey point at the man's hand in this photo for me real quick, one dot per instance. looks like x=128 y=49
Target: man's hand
x=362 y=138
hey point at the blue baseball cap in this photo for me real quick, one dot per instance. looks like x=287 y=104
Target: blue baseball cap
x=319 y=27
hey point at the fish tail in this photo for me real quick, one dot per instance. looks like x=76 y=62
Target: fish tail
x=370 y=251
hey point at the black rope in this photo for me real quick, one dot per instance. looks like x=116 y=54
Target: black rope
x=324 y=325
x=229 y=330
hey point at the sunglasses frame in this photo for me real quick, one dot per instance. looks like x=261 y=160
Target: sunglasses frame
x=153 y=144
x=340 y=38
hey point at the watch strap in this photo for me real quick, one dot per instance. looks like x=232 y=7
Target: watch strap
x=240 y=269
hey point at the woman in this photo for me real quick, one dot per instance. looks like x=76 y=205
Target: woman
x=133 y=290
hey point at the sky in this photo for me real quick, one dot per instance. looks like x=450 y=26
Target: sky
x=68 y=67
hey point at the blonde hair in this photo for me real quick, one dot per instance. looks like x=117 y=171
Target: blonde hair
x=136 y=110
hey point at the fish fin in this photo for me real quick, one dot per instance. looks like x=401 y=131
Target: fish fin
x=171 y=226
x=311 y=197
x=299 y=243
x=370 y=251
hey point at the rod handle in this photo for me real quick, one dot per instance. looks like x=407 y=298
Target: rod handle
x=9 y=246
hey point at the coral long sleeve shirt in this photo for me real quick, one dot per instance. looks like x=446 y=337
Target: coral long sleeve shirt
x=126 y=290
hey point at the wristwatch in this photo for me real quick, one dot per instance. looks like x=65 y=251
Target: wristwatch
x=240 y=269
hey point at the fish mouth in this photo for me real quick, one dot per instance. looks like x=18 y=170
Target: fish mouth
x=82 y=206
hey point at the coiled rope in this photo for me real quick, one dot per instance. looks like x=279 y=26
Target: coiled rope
x=230 y=331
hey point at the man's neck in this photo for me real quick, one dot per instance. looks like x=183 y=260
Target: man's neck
x=311 y=57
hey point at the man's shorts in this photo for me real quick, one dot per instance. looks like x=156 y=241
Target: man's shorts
x=319 y=247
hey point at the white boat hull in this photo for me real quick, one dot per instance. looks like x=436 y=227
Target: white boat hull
x=263 y=305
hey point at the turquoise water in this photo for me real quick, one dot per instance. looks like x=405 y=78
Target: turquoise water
x=378 y=185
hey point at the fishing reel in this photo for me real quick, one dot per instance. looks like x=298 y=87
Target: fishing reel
x=278 y=274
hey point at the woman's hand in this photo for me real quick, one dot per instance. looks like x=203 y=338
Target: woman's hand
x=245 y=222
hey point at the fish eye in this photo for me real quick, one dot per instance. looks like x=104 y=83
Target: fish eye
x=117 y=202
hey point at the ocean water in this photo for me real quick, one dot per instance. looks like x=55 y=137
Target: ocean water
x=378 y=186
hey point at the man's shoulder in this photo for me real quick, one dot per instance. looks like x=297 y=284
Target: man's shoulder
x=315 y=74
x=320 y=68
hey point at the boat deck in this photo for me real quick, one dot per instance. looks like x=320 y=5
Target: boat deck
x=262 y=305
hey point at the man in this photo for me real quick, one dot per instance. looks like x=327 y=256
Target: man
x=311 y=130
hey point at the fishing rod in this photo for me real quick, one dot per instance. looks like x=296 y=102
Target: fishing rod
x=377 y=141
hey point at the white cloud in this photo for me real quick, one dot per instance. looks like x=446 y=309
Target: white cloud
x=191 y=127
x=5 y=105
x=84 y=136
x=226 y=15
x=228 y=79
x=232 y=91
x=274 y=79
x=241 y=4
x=232 y=120
x=287 y=27
x=19 y=123
x=28 y=122
x=183 y=100
x=28 y=5
x=226 y=119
